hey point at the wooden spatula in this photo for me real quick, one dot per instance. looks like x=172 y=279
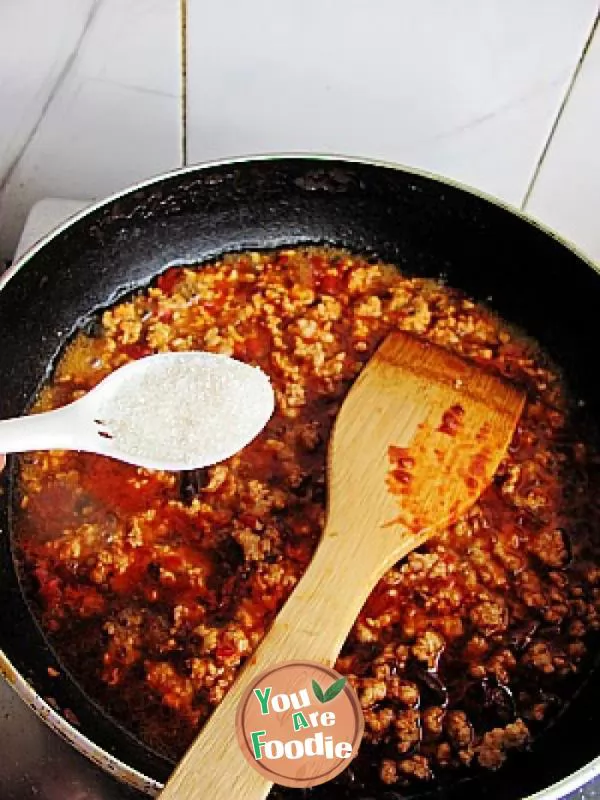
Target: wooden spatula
x=416 y=441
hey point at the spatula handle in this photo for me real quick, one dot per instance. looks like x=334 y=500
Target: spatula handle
x=313 y=626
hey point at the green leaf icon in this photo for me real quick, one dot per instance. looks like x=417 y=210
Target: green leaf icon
x=318 y=692
x=334 y=689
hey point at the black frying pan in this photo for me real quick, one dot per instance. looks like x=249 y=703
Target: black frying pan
x=424 y=226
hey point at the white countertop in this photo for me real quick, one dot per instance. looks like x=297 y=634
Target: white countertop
x=502 y=95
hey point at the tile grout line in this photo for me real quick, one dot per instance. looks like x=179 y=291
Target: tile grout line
x=561 y=110
x=51 y=96
x=183 y=12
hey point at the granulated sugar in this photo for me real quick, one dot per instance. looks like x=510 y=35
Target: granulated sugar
x=185 y=410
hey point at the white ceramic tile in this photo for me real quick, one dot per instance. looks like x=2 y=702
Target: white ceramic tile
x=115 y=119
x=465 y=88
x=37 y=39
x=566 y=194
x=44 y=217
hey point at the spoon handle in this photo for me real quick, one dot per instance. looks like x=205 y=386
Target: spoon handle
x=313 y=626
x=52 y=430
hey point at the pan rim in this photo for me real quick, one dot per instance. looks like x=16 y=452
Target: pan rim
x=300 y=156
x=18 y=683
x=67 y=731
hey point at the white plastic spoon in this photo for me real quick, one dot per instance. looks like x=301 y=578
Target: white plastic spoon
x=172 y=411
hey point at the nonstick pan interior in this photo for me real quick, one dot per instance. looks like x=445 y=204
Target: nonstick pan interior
x=426 y=227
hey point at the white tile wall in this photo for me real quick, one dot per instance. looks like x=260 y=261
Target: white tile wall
x=465 y=88
x=37 y=40
x=45 y=216
x=90 y=94
x=114 y=118
x=566 y=193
